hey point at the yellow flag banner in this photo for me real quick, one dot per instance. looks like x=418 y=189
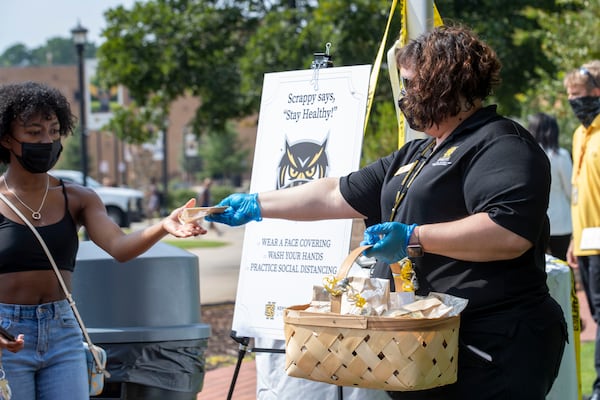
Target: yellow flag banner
x=377 y=65
x=393 y=68
x=576 y=330
x=395 y=81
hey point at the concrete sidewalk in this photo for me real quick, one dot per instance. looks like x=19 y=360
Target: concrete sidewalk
x=220 y=266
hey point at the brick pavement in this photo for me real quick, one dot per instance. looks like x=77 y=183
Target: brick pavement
x=218 y=381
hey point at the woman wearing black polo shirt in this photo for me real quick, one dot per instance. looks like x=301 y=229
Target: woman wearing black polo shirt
x=470 y=200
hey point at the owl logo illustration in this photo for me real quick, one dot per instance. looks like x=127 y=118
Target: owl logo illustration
x=302 y=162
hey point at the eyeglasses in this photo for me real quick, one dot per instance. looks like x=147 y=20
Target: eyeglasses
x=586 y=72
x=405 y=82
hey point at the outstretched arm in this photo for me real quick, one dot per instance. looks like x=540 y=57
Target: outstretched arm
x=123 y=247
x=317 y=200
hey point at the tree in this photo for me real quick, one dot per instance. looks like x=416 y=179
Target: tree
x=522 y=61
x=15 y=55
x=222 y=155
x=71 y=155
x=160 y=50
x=354 y=29
x=56 y=51
x=567 y=38
x=176 y=47
x=137 y=125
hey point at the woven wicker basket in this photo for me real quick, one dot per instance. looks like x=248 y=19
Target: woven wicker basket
x=386 y=353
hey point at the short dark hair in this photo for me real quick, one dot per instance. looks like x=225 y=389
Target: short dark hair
x=452 y=66
x=544 y=129
x=25 y=100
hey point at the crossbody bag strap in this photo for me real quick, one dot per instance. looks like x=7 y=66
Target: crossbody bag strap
x=60 y=280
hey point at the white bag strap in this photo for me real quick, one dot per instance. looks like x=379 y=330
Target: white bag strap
x=62 y=284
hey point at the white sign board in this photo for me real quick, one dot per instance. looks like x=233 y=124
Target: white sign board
x=310 y=126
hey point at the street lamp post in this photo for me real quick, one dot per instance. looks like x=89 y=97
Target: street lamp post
x=79 y=34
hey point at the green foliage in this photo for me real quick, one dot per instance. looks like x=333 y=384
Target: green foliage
x=307 y=29
x=56 y=51
x=139 y=125
x=219 y=192
x=522 y=61
x=178 y=197
x=568 y=38
x=588 y=373
x=70 y=158
x=382 y=133
x=176 y=47
x=196 y=243
x=222 y=155
x=268 y=51
x=15 y=55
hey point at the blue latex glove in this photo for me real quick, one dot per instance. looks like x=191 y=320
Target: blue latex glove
x=242 y=208
x=389 y=241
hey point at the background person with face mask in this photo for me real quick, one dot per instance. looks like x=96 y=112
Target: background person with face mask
x=47 y=359
x=583 y=89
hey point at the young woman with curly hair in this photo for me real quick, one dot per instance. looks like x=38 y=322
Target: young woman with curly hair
x=46 y=361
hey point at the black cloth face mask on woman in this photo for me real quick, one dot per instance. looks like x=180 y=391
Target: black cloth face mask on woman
x=38 y=158
x=410 y=119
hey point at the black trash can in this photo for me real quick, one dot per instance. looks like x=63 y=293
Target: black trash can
x=146 y=314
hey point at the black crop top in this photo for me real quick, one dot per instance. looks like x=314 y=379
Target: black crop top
x=20 y=250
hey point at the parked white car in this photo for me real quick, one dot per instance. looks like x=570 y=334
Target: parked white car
x=123 y=205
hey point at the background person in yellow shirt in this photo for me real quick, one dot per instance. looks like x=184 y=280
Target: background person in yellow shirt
x=583 y=89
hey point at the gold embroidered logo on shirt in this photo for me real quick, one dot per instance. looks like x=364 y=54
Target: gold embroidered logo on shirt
x=445 y=158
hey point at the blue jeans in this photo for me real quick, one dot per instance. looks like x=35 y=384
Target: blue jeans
x=52 y=365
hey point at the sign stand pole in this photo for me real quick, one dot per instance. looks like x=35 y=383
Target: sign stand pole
x=243 y=341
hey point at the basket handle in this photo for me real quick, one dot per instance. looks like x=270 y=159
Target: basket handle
x=336 y=301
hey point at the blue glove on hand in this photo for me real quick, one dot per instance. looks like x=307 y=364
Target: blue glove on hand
x=389 y=241
x=242 y=208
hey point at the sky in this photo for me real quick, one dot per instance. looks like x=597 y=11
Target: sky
x=33 y=22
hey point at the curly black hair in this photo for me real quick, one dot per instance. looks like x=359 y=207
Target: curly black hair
x=453 y=69
x=26 y=100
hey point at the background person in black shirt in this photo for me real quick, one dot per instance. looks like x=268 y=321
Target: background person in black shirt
x=473 y=195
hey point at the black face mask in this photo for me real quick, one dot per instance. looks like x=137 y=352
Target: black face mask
x=409 y=117
x=586 y=108
x=38 y=158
